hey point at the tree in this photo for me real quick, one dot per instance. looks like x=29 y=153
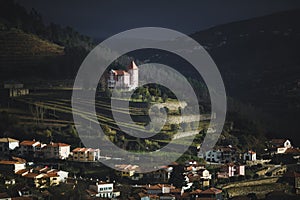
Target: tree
x=106 y=129
x=174 y=127
x=164 y=97
x=177 y=178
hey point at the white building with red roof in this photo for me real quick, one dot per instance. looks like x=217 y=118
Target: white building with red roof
x=104 y=190
x=31 y=147
x=8 y=144
x=249 y=156
x=280 y=145
x=85 y=155
x=124 y=79
x=56 y=151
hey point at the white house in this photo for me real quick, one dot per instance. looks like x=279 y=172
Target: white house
x=249 y=156
x=8 y=144
x=280 y=145
x=12 y=165
x=104 y=190
x=205 y=174
x=85 y=154
x=57 y=150
x=159 y=189
x=230 y=170
x=61 y=175
x=122 y=79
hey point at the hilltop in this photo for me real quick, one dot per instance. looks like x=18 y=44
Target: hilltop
x=31 y=49
x=259 y=62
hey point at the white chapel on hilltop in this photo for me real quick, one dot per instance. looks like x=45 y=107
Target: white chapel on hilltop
x=122 y=79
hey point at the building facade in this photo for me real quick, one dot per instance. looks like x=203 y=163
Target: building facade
x=249 y=156
x=30 y=147
x=57 y=151
x=85 y=155
x=121 y=79
x=105 y=190
x=8 y=144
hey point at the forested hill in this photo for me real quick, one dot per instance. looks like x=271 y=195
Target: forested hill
x=13 y=15
x=31 y=49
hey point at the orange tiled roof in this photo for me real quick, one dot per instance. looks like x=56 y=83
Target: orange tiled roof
x=31 y=175
x=175 y=190
x=292 y=151
x=132 y=65
x=211 y=191
x=51 y=175
x=21 y=171
x=158 y=186
x=9 y=162
x=8 y=140
x=83 y=149
x=198 y=191
x=59 y=144
x=119 y=72
x=28 y=142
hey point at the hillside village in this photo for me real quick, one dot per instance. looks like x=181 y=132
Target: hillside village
x=42 y=156
x=48 y=166
x=28 y=169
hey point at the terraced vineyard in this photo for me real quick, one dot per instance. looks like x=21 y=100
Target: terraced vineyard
x=56 y=105
x=23 y=52
x=17 y=46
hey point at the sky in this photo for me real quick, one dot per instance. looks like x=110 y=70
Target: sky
x=103 y=18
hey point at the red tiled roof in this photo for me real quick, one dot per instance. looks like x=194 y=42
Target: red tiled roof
x=9 y=162
x=8 y=140
x=22 y=171
x=119 y=72
x=83 y=149
x=51 y=175
x=158 y=186
x=198 y=191
x=292 y=151
x=132 y=65
x=31 y=175
x=212 y=191
x=79 y=149
x=28 y=142
x=175 y=190
x=59 y=144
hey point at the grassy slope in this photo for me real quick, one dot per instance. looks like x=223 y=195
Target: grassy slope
x=15 y=43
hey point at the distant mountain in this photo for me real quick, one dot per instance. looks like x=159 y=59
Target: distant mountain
x=260 y=63
x=256 y=53
x=259 y=60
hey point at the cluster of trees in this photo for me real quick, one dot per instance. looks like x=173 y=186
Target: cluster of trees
x=154 y=93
